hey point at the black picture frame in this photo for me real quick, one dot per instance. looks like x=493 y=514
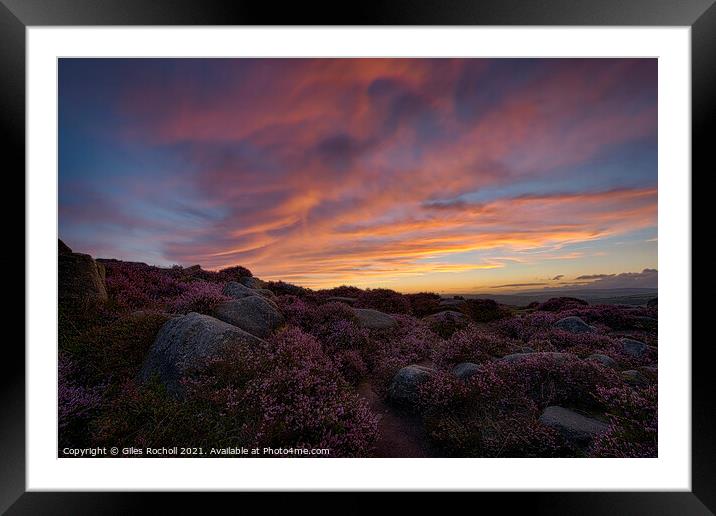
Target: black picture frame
x=17 y=15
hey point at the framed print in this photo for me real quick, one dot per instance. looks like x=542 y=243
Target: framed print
x=422 y=249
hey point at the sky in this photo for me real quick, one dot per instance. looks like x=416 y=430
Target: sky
x=450 y=175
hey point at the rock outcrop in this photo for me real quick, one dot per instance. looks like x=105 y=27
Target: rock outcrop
x=63 y=248
x=635 y=378
x=403 y=390
x=633 y=347
x=253 y=314
x=574 y=427
x=184 y=341
x=605 y=360
x=252 y=282
x=236 y=290
x=373 y=319
x=80 y=278
x=466 y=370
x=573 y=324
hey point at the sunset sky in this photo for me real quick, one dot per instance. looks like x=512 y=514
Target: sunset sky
x=451 y=175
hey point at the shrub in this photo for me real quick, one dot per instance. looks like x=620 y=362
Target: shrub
x=195 y=272
x=387 y=352
x=608 y=315
x=484 y=310
x=482 y=418
x=200 y=296
x=446 y=323
x=298 y=398
x=134 y=286
x=334 y=324
x=472 y=344
x=144 y=415
x=634 y=423
x=384 y=300
x=111 y=352
x=566 y=381
x=75 y=403
x=342 y=291
x=297 y=310
x=234 y=273
x=341 y=335
x=424 y=303
x=615 y=317
x=578 y=343
x=351 y=365
x=281 y=288
x=525 y=327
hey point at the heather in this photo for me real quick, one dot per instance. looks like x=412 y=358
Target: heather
x=140 y=287
x=634 y=423
x=289 y=393
x=477 y=376
x=484 y=310
x=472 y=344
x=384 y=300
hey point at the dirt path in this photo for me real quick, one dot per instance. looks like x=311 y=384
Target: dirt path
x=399 y=435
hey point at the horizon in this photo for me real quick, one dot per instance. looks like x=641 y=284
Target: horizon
x=490 y=176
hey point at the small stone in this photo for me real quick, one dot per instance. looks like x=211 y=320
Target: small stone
x=574 y=427
x=373 y=319
x=633 y=347
x=605 y=360
x=573 y=324
x=467 y=370
x=403 y=390
x=635 y=378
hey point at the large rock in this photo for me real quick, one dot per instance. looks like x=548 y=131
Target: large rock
x=253 y=314
x=265 y=293
x=467 y=370
x=403 y=390
x=373 y=319
x=573 y=324
x=236 y=290
x=575 y=428
x=605 y=360
x=63 y=248
x=633 y=347
x=252 y=282
x=516 y=358
x=80 y=278
x=184 y=341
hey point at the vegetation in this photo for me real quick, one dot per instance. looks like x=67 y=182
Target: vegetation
x=302 y=386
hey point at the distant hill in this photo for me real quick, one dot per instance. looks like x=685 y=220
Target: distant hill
x=611 y=296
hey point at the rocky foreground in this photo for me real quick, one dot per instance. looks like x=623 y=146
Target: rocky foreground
x=186 y=357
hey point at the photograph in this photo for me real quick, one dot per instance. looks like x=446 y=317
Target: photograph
x=357 y=257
